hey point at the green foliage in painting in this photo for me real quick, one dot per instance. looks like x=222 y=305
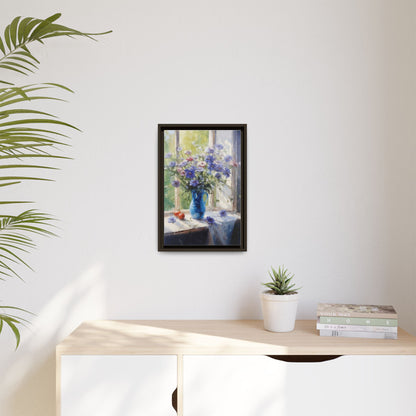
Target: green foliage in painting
x=168 y=190
x=185 y=198
x=29 y=141
x=169 y=193
x=194 y=140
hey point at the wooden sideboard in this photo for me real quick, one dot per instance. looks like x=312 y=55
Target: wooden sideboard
x=226 y=368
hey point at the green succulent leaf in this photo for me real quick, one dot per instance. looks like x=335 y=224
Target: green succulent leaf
x=281 y=281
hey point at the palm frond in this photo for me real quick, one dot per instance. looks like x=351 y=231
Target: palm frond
x=23 y=137
x=16 y=233
x=26 y=134
x=12 y=320
x=22 y=31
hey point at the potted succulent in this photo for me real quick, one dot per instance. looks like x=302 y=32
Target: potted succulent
x=280 y=301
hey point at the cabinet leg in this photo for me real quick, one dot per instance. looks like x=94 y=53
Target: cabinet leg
x=179 y=389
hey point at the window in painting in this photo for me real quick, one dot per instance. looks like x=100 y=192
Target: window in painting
x=182 y=146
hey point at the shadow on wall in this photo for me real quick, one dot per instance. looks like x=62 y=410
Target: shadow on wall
x=249 y=303
x=28 y=386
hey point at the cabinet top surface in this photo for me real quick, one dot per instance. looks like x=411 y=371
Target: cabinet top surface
x=219 y=337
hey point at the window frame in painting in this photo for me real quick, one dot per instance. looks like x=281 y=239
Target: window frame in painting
x=242 y=246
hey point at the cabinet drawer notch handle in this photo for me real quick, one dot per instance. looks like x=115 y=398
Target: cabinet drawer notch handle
x=175 y=400
x=304 y=358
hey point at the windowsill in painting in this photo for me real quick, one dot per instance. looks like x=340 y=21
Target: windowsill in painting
x=189 y=224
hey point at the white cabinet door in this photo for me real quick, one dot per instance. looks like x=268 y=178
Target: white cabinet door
x=233 y=386
x=132 y=385
x=353 y=385
x=262 y=386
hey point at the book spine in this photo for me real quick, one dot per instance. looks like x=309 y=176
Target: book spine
x=389 y=329
x=389 y=316
x=336 y=320
x=356 y=334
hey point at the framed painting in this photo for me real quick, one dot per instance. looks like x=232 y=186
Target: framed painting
x=202 y=187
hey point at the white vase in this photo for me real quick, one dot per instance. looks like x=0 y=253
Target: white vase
x=279 y=311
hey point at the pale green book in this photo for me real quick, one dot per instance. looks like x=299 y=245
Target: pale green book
x=343 y=320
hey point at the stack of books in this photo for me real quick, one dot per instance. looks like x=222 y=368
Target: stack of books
x=357 y=321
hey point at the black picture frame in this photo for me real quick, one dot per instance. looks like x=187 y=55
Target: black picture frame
x=188 y=241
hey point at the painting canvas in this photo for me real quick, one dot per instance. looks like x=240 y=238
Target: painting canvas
x=202 y=187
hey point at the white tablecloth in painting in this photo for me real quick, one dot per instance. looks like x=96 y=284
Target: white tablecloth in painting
x=221 y=230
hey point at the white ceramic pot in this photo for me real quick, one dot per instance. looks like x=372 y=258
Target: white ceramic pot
x=279 y=311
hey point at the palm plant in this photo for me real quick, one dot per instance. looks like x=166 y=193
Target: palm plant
x=30 y=140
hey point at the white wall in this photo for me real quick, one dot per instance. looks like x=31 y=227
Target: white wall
x=327 y=89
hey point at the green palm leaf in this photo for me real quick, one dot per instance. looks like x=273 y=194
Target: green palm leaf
x=26 y=134
x=12 y=320
x=16 y=235
x=21 y=32
x=22 y=137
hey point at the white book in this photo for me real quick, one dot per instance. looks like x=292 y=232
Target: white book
x=357 y=334
x=356 y=328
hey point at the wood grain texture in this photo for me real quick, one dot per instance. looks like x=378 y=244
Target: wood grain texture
x=220 y=337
